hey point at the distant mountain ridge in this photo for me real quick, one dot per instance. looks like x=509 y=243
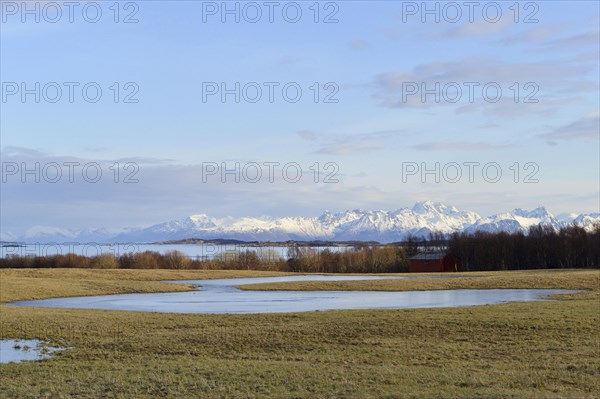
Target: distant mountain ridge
x=352 y=225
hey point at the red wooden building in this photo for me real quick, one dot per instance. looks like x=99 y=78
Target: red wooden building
x=433 y=262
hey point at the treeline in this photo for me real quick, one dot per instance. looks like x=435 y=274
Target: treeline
x=359 y=259
x=542 y=248
x=365 y=259
x=242 y=260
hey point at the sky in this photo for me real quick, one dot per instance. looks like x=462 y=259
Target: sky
x=131 y=113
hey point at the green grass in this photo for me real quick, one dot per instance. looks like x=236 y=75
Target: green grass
x=519 y=350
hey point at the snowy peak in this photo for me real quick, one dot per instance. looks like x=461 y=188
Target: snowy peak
x=587 y=221
x=567 y=217
x=428 y=207
x=202 y=221
x=518 y=220
x=361 y=225
x=538 y=213
x=425 y=207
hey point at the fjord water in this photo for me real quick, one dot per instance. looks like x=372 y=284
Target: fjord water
x=193 y=251
x=222 y=296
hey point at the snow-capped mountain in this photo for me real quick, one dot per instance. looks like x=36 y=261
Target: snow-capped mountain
x=383 y=226
x=517 y=220
x=587 y=221
x=566 y=217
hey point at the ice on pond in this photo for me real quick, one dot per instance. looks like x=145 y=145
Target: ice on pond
x=222 y=296
x=19 y=350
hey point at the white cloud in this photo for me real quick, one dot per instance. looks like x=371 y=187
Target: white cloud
x=461 y=146
x=583 y=129
x=542 y=86
x=307 y=135
x=349 y=144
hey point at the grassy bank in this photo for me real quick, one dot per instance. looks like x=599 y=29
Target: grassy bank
x=566 y=279
x=28 y=284
x=518 y=350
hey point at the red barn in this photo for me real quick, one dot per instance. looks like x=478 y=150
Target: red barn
x=433 y=262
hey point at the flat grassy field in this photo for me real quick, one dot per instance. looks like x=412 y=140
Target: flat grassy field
x=521 y=350
x=567 y=279
x=29 y=284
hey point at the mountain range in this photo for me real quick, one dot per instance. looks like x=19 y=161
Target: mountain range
x=359 y=225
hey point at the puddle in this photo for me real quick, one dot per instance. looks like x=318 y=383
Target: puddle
x=222 y=296
x=20 y=350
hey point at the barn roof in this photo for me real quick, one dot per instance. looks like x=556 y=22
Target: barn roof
x=429 y=256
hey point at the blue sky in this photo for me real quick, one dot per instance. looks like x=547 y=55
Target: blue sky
x=371 y=55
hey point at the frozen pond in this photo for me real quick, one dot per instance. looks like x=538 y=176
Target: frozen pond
x=19 y=350
x=222 y=296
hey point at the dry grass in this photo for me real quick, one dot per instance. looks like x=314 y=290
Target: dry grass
x=28 y=284
x=516 y=350
x=565 y=279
